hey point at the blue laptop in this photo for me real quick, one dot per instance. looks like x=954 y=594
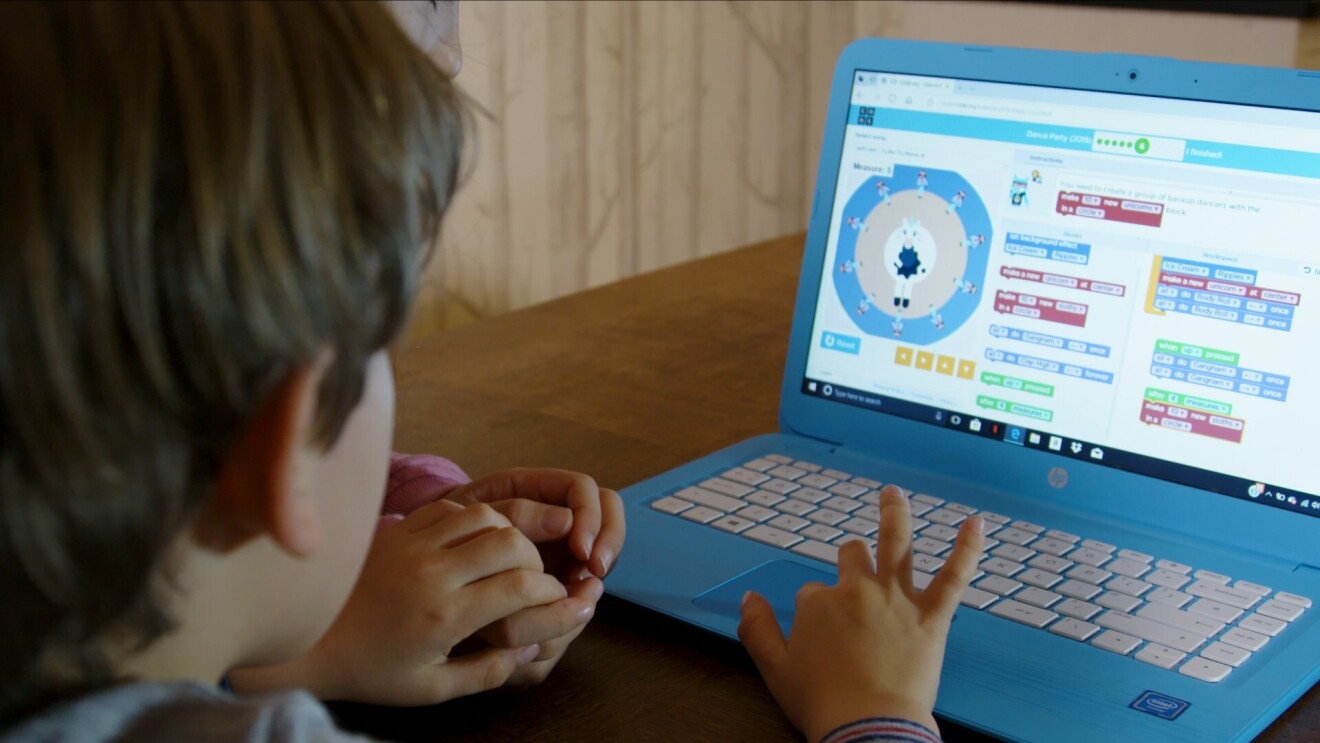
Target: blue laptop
x=1078 y=295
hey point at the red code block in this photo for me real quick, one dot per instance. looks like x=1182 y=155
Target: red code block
x=1177 y=418
x=1041 y=308
x=1067 y=282
x=1111 y=208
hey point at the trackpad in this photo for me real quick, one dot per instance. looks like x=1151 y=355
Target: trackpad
x=777 y=581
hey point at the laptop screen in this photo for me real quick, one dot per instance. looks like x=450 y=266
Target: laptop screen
x=1127 y=280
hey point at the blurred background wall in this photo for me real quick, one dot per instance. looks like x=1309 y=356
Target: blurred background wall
x=623 y=136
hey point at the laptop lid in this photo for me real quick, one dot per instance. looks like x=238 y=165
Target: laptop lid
x=1091 y=279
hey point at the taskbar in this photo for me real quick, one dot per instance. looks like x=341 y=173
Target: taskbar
x=1030 y=438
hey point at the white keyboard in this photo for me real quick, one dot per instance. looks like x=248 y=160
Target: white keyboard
x=1157 y=611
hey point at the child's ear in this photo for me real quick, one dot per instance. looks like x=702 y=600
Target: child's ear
x=262 y=485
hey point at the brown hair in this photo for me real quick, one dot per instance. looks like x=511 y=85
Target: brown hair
x=197 y=198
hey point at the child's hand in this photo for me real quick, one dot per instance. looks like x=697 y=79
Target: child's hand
x=579 y=529
x=870 y=646
x=430 y=581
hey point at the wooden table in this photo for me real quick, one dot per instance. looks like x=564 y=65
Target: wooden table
x=624 y=382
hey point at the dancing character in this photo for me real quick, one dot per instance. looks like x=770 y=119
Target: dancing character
x=973 y=242
x=921 y=183
x=883 y=190
x=910 y=256
x=956 y=202
x=1017 y=194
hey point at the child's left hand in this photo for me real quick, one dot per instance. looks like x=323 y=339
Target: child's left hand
x=578 y=528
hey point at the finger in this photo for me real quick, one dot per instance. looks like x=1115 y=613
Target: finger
x=460 y=527
x=809 y=589
x=855 y=560
x=489 y=600
x=946 y=589
x=609 y=543
x=556 y=487
x=431 y=514
x=477 y=672
x=760 y=633
x=538 y=521
x=492 y=552
x=540 y=624
x=893 y=549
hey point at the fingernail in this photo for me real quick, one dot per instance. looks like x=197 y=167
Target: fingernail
x=606 y=561
x=746 y=597
x=980 y=524
x=528 y=654
x=585 y=613
x=556 y=520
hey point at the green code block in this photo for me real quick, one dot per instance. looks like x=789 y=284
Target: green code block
x=1188 y=401
x=1016 y=408
x=1015 y=383
x=1197 y=352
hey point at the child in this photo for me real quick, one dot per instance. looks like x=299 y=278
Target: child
x=213 y=222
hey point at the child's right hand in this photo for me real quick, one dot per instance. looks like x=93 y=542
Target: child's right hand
x=870 y=646
x=429 y=582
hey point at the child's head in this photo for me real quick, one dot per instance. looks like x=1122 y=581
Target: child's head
x=211 y=214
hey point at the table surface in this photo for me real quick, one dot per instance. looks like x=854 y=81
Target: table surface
x=624 y=382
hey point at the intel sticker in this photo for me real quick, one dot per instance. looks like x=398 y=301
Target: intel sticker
x=1160 y=705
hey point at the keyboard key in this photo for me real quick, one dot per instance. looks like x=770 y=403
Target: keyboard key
x=1245 y=639
x=780 y=458
x=1062 y=536
x=1294 y=599
x=1119 y=602
x=1205 y=670
x=836 y=474
x=1130 y=568
x=1052 y=563
x=764 y=498
x=1032 y=616
x=670 y=504
x=1028 y=526
x=978 y=599
x=1116 y=642
x=1255 y=588
x=1014 y=535
x=1037 y=597
x=868 y=483
x=820 y=532
x=783 y=487
x=772 y=536
x=960 y=508
x=945 y=516
x=850 y=537
x=1089 y=574
x=733 y=524
x=921 y=580
x=744 y=476
x=926 y=563
x=919 y=509
x=1038 y=578
x=1074 y=629
x=813 y=496
x=1000 y=566
x=786 y=472
x=1167 y=578
x=846 y=489
x=1130 y=586
x=931 y=546
x=827 y=517
x=701 y=514
x=1093 y=544
x=1223 y=594
x=712 y=500
x=1090 y=556
x=869 y=512
x=761 y=465
x=994 y=518
x=818 y=550
x=795 y=507
x=1168 y=596
x=1210 y=577
x=940 y=532
x=865 y=527
x=839 y=503
x=807 y=466
x=929 y=500
x=1012 y=552
x=816 y=481
x=1196 y=623
x=1173 y=567
x=1158 y=655
x=757 y=513
x=726 y=487
x=787 y=523
x=1076 y=608
x=1077 y=589
x=1215 y=610
x=1264 y=625
x=998 y=584
x=1135 y=555
x=1226 y=654
x=1147 y=629
x=1276 y=609
x=1052 y=546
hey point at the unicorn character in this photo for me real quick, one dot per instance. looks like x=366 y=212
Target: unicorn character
x=1017 y=193
x=909 y=257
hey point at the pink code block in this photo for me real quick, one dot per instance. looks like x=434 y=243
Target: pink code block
x=1177 y=418
x=1041 y=308
x=1111 y=208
